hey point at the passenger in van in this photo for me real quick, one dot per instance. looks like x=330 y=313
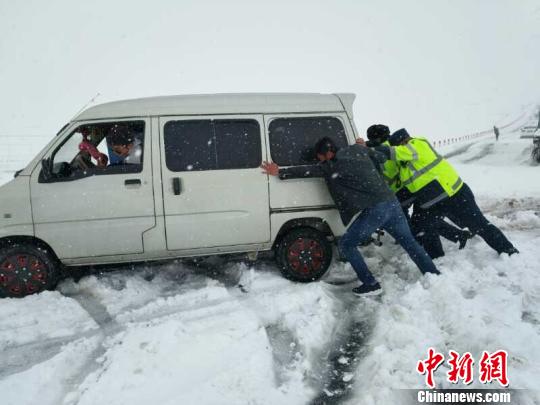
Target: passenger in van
x=88 y=149
x=364 y=201
x=125 y=144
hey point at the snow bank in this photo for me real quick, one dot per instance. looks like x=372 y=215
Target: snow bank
x=44 y=316
x=174 y=334
x=207 y=355
x=481 y=301
x=47 y=382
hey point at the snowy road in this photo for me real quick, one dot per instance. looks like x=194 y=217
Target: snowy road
x=241 y=334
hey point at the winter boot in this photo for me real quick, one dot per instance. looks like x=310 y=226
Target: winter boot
x=511 y=251
x=463 y=237
x=367 y=290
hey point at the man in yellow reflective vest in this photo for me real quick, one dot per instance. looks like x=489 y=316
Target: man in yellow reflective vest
x=378 y=134
x=439 y=192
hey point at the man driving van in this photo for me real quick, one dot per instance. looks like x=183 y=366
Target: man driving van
x=125 y=144
x=364 y=201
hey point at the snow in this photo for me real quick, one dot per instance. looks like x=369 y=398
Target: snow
x=168 y=360
x=49 y=315
x=237 y=333
x=49 y=380
x=480 y=302
x=499 y=169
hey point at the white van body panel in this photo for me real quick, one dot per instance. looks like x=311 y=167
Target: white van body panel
x=166 y=255
x=207 y=104
x=100 y=220
x=154 y=238
x=347 y=100
x=215 y=208
x=329 y=216
x=15 y=209
x=94 y=216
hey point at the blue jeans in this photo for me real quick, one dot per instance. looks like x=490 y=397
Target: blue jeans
x=389 y=216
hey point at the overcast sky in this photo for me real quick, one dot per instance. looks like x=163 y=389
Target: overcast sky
x=438 y=68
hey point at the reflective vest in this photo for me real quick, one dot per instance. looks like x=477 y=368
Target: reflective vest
x=391 y=173
x=419 y=165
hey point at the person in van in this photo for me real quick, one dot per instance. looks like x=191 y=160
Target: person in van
x=125 y=144
x=364 y=201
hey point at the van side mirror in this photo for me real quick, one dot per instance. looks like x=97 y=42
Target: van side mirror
x=46 y=169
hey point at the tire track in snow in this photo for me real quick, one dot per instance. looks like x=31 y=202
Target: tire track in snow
x=285 y=350
x=20 y=358
x=17 y=359
x=285 y=347
x=108 y=326
x=333 y=376
x=348 y=347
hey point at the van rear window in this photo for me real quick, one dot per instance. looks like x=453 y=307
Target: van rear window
x=292 y=139
x=212 y=144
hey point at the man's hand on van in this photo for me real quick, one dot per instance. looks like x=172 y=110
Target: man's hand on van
x=270 y=168
x=361 y=141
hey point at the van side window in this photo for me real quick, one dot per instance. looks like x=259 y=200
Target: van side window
x=96 y=149
x=189 y=145
x=212 y=144
x=292 y=139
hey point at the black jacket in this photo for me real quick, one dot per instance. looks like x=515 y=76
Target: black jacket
x=353 y=178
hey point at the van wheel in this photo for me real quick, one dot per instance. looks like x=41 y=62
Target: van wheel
x=304 y=254
x=26 y=269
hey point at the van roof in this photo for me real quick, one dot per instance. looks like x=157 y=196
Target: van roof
x=249 y=103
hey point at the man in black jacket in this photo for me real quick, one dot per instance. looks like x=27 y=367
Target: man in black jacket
x=364 y=201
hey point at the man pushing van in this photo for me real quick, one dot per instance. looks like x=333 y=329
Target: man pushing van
x=364 y=201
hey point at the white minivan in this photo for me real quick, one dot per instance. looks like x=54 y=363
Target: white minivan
x=175 y=176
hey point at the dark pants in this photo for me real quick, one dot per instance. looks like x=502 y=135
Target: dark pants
x=389 y=216
x=461 y=209
x=447 y=231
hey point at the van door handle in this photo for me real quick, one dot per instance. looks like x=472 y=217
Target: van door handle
x=132 y=182
x=177 y=186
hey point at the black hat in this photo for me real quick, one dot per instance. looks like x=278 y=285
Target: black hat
x=378 y=132
x=324 y=145
x=120 y=135
x=399 y=136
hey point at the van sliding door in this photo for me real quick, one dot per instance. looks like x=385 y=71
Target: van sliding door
x=214 y=193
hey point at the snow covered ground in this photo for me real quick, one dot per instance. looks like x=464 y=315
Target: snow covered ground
x=239 y=333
